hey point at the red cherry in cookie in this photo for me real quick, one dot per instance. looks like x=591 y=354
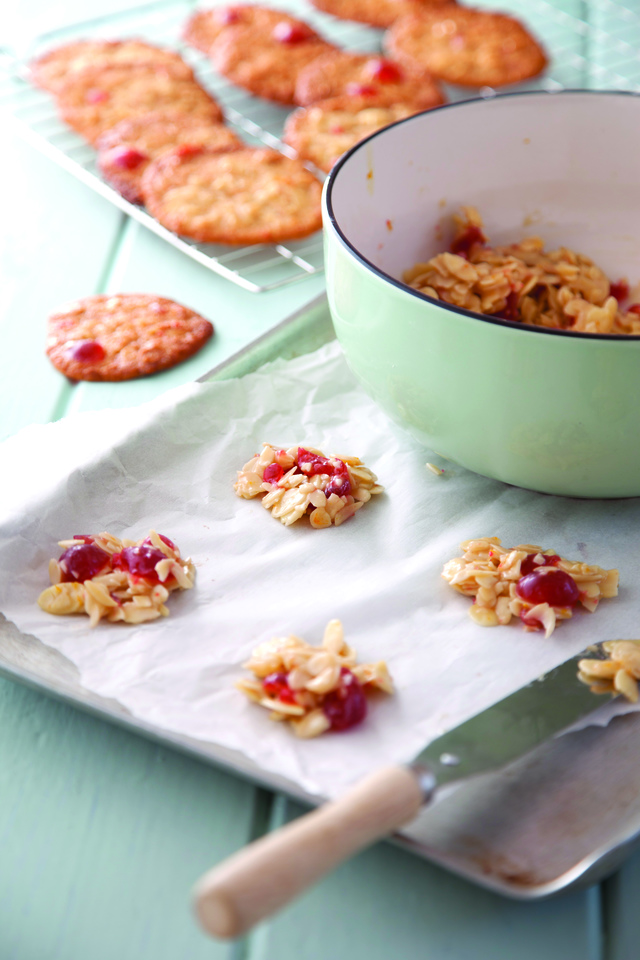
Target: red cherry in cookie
x=346 y=706
x=83 y=561
x=285 y=32
x=140 y=562
x=96 y=96
x=126 y=158
x=87 y=351
x=383 y=70
x=554 y=587
x=360 y=90
x=277 y=687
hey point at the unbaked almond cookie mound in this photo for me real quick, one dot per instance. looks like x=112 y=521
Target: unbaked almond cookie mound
x=97 y=98
x=323 y=131
x=301 y=481
x=313 y=689
x=126 y=150
x=121 y=581
x=237 y=197
x=538 y=586
x=123 y=336
x=339 y=73
x=465 y=46
x=59 y=66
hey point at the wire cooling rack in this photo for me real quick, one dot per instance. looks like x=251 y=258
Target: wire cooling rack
x=591 y=45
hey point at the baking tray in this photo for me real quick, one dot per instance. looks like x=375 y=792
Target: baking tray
x=565 y=815
x=590 y=45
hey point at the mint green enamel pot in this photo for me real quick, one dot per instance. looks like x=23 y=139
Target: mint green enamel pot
x=546 y=410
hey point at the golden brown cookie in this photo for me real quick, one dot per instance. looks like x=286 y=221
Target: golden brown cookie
x=339 y=73
x=240 y=197
x=466 y=46
x=126 y=150
x=99 y=97
x=265 y=54
x=55 y=68
x=323 y=131
x=204 y=26
x=377 y=13
x=123 y=336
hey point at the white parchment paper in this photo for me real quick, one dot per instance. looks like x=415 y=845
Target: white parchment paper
x=171 y=464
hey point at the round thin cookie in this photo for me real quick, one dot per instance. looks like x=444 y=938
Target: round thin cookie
x=240 y=197
x=265 y=54
x=377 y=13
x=465 y=46
x=323 y=131
x=56 y=67
x=205 y=26
x=123 y=336
x=126 y=150
x=339 y=73
x=99 y=97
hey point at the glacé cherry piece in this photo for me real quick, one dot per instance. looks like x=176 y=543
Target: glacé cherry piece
x=346 y=706
x=529 y=563
x=139 y=561
x=83 y=561
x=634 y=308
x=127 y=158
x=467 y=239
x=619 y=290
x=96 y=96
x=273 y=473
x=285 y=32
x=383 y=70
x=360 y=90
x=340 y=484
x=277 y=687
x=554 y=587
x=227 y=16
x=87 y=351
x=510 y=311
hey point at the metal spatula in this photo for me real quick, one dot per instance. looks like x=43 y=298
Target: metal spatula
x=267 y=874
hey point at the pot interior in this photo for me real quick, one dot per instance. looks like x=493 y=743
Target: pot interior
x=562 y=166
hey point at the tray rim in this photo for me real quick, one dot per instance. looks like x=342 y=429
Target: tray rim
x=589 y=869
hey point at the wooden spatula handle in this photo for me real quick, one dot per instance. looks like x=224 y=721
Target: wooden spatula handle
x=267 y=874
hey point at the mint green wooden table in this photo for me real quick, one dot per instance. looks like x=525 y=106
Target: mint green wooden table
x=102 y=833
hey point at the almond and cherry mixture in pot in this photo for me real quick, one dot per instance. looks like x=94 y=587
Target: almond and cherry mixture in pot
x=619 y=673
x=116 y=580
x=315 y=689
x=301 y=480
x=559 y=289
x=525 y=581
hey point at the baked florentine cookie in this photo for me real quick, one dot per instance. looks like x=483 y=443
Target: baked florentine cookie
x=126 y=150
x=123 y=336
x=55 y=68
x=265 y=54
x=339 y=73
x=238 y=197
x=377 y=13
x=465 y=46
x=125 y=581
x=99 y=97
x=323 y=131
